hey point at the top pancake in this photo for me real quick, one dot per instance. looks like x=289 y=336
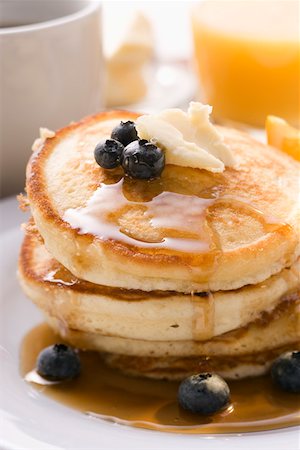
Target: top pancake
x=189 y=230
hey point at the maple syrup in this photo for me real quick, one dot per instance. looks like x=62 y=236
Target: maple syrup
x=169 y=219
x=168 y=212
x=105 y=393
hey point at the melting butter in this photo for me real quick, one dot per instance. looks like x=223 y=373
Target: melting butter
x=188 y=139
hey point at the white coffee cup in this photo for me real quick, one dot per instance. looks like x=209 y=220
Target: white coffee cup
x=51 y=73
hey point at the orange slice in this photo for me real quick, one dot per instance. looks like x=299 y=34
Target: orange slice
x=283 y=136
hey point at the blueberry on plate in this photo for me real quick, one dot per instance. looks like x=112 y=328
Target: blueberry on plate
x=125 y=132
x=285 y=371
x=58 y=362
x=108 y=153
x=144 y=160
x=204 y=393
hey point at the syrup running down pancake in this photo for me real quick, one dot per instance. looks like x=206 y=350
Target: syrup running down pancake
x=193 y=271
x=189 y=230
x=164 y=334
x=167 y=315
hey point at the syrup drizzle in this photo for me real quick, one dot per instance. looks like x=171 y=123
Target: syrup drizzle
x=167 y=210
x=159 y=214
x=203 y=316
x=107 y=394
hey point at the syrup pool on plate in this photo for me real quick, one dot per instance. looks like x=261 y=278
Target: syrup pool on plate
x=105 y=393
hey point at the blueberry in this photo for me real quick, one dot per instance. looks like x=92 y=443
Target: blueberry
x=125 y=132
x=204 y=393
x=143 y=160
x=58 y=362
x=108 y=153
x=285 y=371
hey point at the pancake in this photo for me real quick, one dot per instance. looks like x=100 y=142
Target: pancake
x=280 y=328
x=133 y=330
x=245 y=352
x=172 y=368
x=156 y=315
x=190 y=230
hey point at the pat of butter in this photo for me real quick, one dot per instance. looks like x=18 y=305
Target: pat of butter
x=188 y=139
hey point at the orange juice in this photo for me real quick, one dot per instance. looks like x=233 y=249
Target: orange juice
x=248 y=58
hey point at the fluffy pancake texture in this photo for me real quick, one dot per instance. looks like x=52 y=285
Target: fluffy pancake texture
x=176 y=368
x=241 y=226
x=237 y=354
x=166 y=315
x=135 y=332
x=193 y=271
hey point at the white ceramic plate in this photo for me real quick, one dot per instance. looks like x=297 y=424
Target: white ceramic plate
x=31 y=421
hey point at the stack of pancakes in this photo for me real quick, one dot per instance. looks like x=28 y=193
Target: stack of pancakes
x=192 y=271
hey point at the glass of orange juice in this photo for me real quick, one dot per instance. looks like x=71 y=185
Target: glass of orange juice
x=247 y=55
